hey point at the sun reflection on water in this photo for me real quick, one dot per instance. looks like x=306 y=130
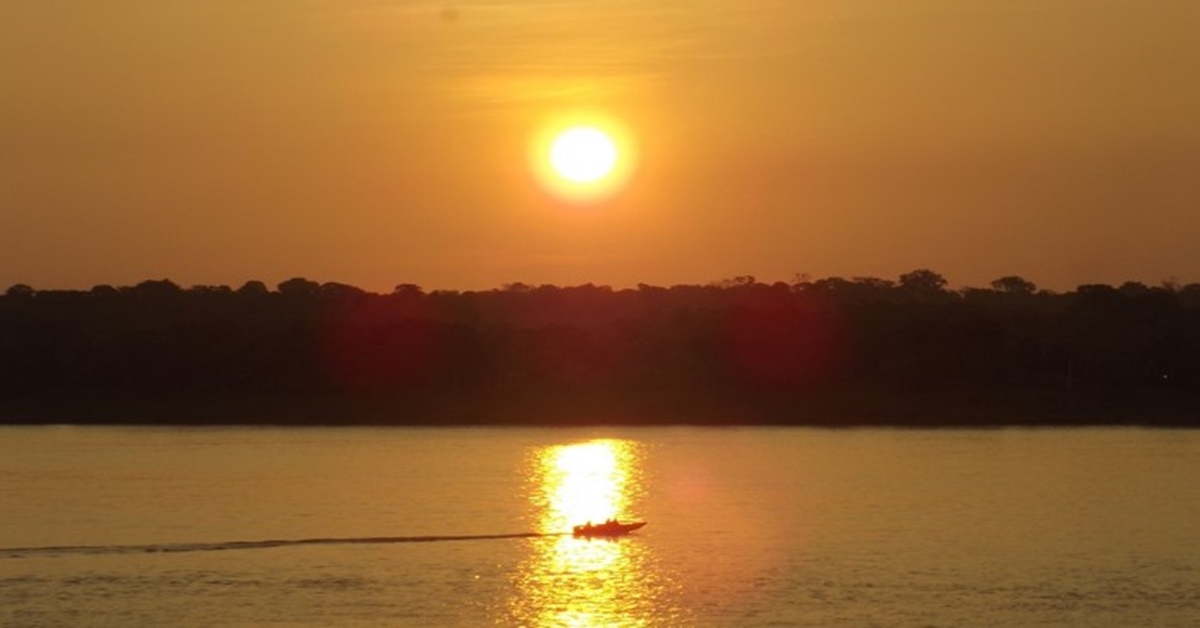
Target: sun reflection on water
x=585 y=482
x=587 y=582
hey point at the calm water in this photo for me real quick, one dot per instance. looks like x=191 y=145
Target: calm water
x=1095 y=527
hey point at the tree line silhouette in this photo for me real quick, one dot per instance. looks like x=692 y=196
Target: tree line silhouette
x=830 y=351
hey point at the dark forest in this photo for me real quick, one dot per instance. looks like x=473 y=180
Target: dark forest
x=829 y=352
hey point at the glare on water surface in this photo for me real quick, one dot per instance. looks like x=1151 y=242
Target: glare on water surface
x=569 y=581
x=585 y=482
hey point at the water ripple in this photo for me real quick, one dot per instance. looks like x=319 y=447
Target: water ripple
x=22 y=552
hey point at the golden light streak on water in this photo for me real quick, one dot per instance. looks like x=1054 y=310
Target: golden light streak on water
x=585 y=482
x=587 y=582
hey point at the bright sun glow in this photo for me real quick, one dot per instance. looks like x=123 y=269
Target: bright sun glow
x=583 y=154
x=583 y=158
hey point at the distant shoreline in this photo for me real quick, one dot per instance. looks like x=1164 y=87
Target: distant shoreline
x=830 y=352
x=910 y=409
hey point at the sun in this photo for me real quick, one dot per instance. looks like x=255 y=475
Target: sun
x=582 y=158
x=583 y=154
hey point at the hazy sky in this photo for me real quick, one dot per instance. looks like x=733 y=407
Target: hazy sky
x=382 y=142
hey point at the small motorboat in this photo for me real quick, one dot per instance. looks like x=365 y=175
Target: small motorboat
x=609 y=528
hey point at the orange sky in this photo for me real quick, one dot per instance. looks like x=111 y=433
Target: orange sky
x=382 y=142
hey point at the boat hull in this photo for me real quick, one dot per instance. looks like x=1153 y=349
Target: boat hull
x=610 y=529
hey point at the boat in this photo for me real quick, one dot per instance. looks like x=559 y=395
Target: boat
x=609 y=528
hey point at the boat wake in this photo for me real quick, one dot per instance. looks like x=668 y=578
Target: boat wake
x=165 y=548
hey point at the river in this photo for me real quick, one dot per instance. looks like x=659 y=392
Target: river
x=122 y=526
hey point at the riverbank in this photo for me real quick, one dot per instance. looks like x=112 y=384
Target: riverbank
x=901 y=408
